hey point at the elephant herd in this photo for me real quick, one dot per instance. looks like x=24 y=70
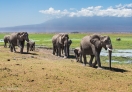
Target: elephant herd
x=18 y=39
x=89 y=45
x=61 y=42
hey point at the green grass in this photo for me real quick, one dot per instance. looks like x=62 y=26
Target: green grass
x=42 y=71
x=45 y=39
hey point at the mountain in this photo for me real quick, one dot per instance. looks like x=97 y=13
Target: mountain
x=78 y=24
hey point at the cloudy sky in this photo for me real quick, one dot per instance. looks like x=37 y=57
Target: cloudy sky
x=26 y=12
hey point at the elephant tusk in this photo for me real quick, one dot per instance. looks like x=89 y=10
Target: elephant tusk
x=109 y=49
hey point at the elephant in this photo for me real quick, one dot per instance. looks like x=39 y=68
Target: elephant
x=92 y=45
x=118 y=39
x=6 y=40
x=77 y=52
x=18 y=39
x=58 y=41
x=30 y=46
x=69 y=42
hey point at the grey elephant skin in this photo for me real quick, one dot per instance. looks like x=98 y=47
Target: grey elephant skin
x=58 y=41
x=77 y=52
x=69 y=42
x=6 y=40
x=30 y=46
x=92 y=45
x=18 y=39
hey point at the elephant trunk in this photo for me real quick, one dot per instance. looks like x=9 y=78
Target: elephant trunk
x=27 y=39
x=66 y=48
x=110 y=52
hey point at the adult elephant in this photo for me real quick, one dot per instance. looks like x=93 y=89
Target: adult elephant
x=30 y=46
x=68 y=43
x=58 y=41
x=92 y=45
x=6 y=40
x=18 y=39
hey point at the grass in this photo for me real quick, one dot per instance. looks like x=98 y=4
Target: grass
x=40 y=71
x=45 y=39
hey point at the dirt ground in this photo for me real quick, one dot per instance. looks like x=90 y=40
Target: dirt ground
x=40 y=71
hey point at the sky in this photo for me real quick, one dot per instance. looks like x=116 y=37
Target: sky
x=27 y=12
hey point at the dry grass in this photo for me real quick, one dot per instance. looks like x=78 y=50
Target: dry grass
x=40 y=71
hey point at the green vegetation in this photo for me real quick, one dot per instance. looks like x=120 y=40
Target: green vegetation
x=42 y=71
x=44 y=39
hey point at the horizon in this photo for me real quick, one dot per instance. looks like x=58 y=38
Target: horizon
x=28 y=12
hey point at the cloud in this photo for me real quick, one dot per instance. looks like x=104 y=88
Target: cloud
x=117 y=11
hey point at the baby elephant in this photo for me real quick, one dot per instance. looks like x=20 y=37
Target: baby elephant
x=30 y=46
x=78 y=54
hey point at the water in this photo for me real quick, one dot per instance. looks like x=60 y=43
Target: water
x=1 y=40
x=118 y=53
x=127 y=53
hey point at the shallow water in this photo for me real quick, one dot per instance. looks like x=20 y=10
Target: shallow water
x=119 y=53
x=1 y=40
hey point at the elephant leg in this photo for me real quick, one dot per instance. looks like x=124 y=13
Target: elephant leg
x=62 y=49
x=97 y=61
x=77 y=57
x=80 y=57
x=59 y=51
x=9 y=45
x=56 y=51
x=5 y=45
x=22 y=47
x=27 y=47
x=53 y=50
x=11 y=48
x=65 y=52
x=34 y=47
x=68 y=51
x=85 y=59
x=30 y=48
x=14 y=48
x=90 y=61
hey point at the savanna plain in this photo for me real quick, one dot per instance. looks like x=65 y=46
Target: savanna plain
x=40 y=71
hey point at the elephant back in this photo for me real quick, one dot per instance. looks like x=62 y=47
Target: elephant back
x=6 y=38
x=13 y=36
x=31 y=43
x=54 y=38
x=85 y=39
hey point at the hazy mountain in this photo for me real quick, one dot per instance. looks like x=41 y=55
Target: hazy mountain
x=78 y=24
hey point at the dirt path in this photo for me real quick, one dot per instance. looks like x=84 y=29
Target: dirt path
x=40 y=71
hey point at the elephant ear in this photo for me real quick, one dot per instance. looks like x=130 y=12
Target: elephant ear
x=96 y=42
x=19 y=36
x=60 y=38
x=69 y=42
